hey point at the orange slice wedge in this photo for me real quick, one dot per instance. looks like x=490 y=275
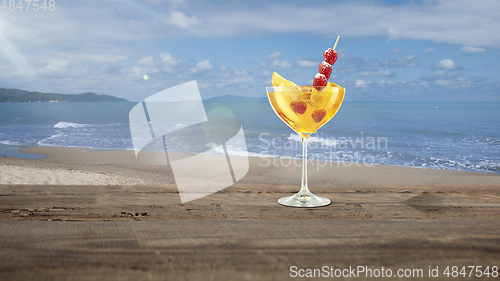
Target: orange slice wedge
x=279 y=81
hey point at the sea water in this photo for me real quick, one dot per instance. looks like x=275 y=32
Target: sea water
x=440 y=135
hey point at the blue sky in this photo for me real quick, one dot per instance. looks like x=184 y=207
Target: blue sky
x=388 y=50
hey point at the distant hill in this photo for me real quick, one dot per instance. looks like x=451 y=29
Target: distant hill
x=232 y=98
x=15 y=95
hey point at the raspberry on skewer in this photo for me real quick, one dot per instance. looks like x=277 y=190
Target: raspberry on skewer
x=320 y=81
x=325 y=69
x=330 y=56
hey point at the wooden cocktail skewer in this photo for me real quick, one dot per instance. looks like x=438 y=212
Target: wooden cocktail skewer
x=335 y=46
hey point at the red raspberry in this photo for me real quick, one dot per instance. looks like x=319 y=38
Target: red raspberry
x=298 y=106
x=330 y=56
x=318 y=115
x=325 y=69
x=320 y=81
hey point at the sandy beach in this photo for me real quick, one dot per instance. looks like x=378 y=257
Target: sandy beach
x=80 y=166
x=79 y=214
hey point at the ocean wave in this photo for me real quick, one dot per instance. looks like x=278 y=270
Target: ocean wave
x=51 y=140
x=488 y=141
x=64 y=125
x=8 y=142
x=17 y=142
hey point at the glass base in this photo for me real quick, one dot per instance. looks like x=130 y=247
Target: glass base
x=304 y=199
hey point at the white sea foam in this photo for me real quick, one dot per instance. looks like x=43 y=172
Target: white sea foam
x=236 y=151
x=313 y=139
x=52 y=140
x=64 y=125
x=8 y=142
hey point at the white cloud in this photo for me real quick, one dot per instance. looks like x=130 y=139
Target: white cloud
x=444 y=82
x=276 y=64
x=361 y=84
x=264 y=75
x=181 y=20
x=383 y=83
x=274 y=56
x=163 y=63
x=280 y=64
x=454 y=80
x=446 y=64
x=473 y=49
x=407 y=61
x=241 y=72
x=439 y=21
x=386 y=73
x=307 y=63
x=77 y=67
x=200 y=67
x=55 y=67
x=226 y=72
x=204 y=85
x=148 y=61
x=235 y=81
x=167 y=59
x=429 y=50
x=274 y=61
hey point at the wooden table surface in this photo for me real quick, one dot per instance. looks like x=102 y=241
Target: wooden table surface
x=241 y=233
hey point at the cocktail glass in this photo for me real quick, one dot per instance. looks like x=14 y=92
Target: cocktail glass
x=305 y=109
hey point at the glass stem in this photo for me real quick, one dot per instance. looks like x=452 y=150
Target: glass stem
x=304 y=187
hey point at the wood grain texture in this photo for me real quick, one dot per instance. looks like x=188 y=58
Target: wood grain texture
x=241 y=233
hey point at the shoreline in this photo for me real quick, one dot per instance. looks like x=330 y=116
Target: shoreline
x=14 y=151
x=80 y=166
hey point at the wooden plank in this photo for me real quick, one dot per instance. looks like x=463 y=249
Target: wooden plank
x=241 y=233
x=260 y=248
x=257 y=202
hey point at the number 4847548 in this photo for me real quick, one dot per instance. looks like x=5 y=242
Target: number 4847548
x=471 y=271
x=26 y=5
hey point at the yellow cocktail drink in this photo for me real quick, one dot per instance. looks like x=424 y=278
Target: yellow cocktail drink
x=304 y=108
